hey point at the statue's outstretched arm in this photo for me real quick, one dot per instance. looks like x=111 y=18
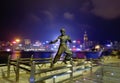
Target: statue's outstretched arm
x=52 y=42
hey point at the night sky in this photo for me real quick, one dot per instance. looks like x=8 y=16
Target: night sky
x=42 y=19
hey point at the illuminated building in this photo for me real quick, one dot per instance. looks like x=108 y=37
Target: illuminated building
x=85 y=40
x=85 y=37
x=27 y=41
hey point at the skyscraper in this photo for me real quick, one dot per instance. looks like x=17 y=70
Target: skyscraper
x=85 y=40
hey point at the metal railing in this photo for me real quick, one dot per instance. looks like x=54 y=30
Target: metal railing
x=69 y=69
x=26 y=62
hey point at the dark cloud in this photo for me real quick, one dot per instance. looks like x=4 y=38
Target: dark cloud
x=34 y=18
x=86 y=6
x=108 y=9
x=49 y=15
x=69 y=16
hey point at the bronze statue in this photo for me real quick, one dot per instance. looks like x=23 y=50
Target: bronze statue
x=63 y=48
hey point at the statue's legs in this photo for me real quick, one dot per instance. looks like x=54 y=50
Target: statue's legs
x=58 y=55
x=68 y=55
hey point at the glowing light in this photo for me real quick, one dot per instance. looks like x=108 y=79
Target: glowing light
x=97 y=47
x=112 y=74
x=55 y=46
x=52 y=49
x=81 y=46
x=3 y=44
x=78 y=42
x=8 y=49
x=20 y=45
x=69 y=71
x=37 y=43
x=11 y=44
x=54 y=76
x=74 y=41
x=43 y=43
x=109 y=45
x=74 y=46
x=17 y=40
x=78 y=49
x=14 y=42
x=47 y=41
x=47 y=46
x=69 y=65
x=74 y=49
x=84 y=78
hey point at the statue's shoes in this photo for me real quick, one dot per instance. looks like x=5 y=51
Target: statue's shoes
x=65 y=61
x=51 y=66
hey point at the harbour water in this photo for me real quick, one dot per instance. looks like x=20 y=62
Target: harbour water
x=44 y=54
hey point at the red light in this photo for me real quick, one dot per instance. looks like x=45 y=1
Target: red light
x=78 y=42
x=73 y=49
x=3 y=44
x=14 y=42
x=47 y=46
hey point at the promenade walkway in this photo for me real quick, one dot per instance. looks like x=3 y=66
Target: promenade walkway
x=109 y=72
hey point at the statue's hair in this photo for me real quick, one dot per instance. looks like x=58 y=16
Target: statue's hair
x=62 y=30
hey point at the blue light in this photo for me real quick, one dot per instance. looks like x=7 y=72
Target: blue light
x=109 y=45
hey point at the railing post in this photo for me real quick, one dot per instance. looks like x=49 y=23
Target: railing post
x=3 y=74
x=32 y=73
x=71 y=69
x=91 y=61
x=54 y=77
x=102 y=69
x=8 y=66
x=31 y=60
x=17 y=69
x=51 y=61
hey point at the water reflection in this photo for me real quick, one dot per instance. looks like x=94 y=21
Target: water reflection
x=16 y=54
x=27 y=54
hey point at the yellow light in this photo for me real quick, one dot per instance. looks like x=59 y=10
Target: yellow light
x=17 y=40
x=97 y=47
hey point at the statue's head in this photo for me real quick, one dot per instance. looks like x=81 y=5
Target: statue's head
x=62 y=30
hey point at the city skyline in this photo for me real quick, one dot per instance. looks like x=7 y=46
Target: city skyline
x=42 y=19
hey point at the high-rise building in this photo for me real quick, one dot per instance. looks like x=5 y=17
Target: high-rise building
x=27 y=44
x=27 y=41
x=85 y=37
x=85 y=40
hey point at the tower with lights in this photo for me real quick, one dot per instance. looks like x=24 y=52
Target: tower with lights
x=85 y=38
x=27 y=44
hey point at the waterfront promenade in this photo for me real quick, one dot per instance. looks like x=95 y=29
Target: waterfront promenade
x=106 y=73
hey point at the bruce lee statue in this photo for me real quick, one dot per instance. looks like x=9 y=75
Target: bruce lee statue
x=63 y=48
